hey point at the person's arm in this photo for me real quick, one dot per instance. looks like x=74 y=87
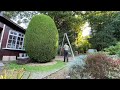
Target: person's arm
x=63 y=47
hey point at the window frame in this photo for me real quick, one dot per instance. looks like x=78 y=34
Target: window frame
x=17 y=35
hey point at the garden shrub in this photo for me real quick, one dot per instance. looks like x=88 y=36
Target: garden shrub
x=97 y=66
x=118 y=53
x=114 y=70
x=77 y=69
x=101 y=66
x=112 y=50
x=41 y=39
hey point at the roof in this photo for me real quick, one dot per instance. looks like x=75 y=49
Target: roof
x=11 y=24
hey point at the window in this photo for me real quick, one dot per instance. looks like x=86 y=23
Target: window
x=15 y=40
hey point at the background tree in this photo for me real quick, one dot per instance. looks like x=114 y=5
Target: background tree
x=104 y=28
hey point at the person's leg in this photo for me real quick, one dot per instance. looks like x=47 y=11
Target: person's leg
x=67 y=56
x=64 y=55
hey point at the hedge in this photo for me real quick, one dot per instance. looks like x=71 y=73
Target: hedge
x=41 y=39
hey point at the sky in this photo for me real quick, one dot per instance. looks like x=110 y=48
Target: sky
x=86 y=29
x=22 y=24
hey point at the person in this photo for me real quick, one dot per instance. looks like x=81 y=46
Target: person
x=66 y=49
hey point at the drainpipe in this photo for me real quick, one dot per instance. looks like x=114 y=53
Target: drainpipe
x=2 y=33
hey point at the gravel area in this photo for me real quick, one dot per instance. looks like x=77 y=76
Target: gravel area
x=61 y=74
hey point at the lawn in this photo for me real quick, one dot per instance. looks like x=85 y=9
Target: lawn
x=58 y=65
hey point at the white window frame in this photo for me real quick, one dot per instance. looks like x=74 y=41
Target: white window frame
x=16 y=40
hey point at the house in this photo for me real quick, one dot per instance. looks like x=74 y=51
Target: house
x=11 y=40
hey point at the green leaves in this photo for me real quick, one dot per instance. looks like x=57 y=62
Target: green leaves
x=112 y=50
x=13 y=74
x=41 y=39
x=66 y=22
x=105 y=28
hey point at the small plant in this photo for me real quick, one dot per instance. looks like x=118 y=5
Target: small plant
x=13 y=74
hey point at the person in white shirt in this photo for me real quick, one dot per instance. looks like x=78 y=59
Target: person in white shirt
x=66 y=49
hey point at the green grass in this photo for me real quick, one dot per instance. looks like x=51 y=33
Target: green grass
x=14 y=65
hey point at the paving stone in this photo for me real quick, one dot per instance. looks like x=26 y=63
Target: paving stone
x=1 y=64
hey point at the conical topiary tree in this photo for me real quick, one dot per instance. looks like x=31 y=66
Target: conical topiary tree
x=41 y=39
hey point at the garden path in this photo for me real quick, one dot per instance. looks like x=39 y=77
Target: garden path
x=1 y=66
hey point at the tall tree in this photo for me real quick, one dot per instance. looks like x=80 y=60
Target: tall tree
x=69 y=22
x=103 y=25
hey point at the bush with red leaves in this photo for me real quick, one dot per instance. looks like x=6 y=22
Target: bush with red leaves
x=101 y=66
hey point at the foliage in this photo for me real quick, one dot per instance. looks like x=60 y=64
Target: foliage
x=115 y=26
x=103 y=41
x=103 y=22
x=22 y=16
x=97 y=66
x=82 y=43
x=100 y=66
x=112 y=50
x=114 y=69
x=118 y=53
x=13 y=74
x=37 y=68
x=67 y=22
x=76 y=69
x=41 y=39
